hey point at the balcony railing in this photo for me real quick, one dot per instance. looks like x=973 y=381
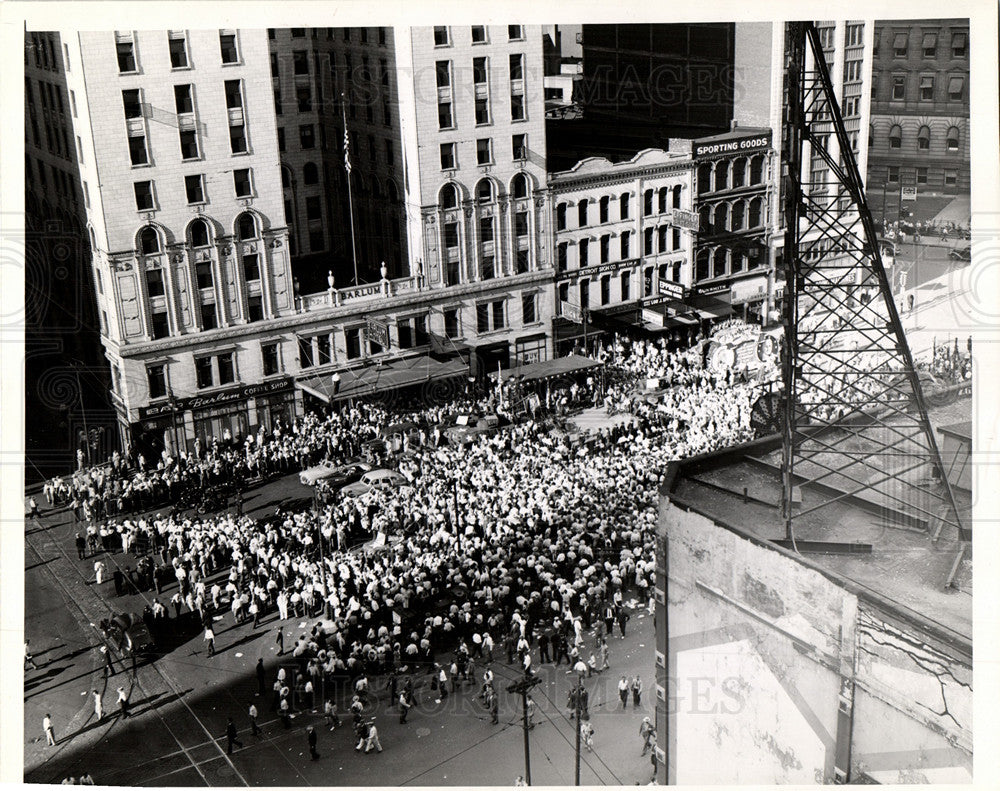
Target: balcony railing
x=357 y=294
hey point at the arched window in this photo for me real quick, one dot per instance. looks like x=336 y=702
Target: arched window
x=246 y=226
x=310 y=173
x=705 y=224
x=581 y=213
x=662 y=199
x=392 y=191
x=149 y=241
x=721 y=175
x=93 y=238
x=376 y=188
x=704 y=177
x=755 y=219
x=484 y=191
x=701 y=270
x=721 y=217
x=924 y=138
x=449 y=197
x=286 y=178
x=757 y=169
x=519 y=186
x=677 y=196
x=895 y=136
x=198 y=233
x=739 y=172
x=719 y=262
x=953 y=137
x=738 y=215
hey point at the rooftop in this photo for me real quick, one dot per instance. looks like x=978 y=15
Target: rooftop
x=905 y=570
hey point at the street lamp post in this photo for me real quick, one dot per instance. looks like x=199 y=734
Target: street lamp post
x=83 y=409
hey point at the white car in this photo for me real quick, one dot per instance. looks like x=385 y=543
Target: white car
x=376 y=479
x=339 y=474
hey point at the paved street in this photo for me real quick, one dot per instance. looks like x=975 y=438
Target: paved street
x=181 y=701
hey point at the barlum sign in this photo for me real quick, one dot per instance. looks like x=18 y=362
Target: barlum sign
x=216 y=399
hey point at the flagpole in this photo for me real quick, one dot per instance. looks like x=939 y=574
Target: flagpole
x=350 y=200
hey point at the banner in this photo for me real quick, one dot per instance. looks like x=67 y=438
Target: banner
x=686 y=219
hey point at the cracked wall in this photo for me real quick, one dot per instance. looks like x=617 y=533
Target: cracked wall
x=761 y=647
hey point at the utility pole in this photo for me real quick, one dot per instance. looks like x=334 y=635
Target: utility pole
x=522 y=688
x=580 y=668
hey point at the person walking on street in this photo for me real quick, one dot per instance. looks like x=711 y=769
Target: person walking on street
x=231 y=737
x=122 y=702
x=623 y=618
x=210 y=640
x=280 y=641
x=609 y=617
x=99 y=572
x=254 y=727
x=623 y=692
x=587 y=734
x=372 y=740
x=50 y=736
x=648 y=734
x=404 y=707
x=81 y=546
x=604 y=655
x=260 y=676
x=28 y=658
x=109 y=663
x=330 y=713
x=98 y=706
x=313 y=755
x=636 y=691
x=494 y=704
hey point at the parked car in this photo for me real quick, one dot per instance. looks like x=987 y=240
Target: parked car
x=961 y=253
x=375 y=479
x=335 y=474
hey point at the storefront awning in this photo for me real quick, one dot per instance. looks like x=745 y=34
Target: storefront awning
x=571 y=363
x=371 y=379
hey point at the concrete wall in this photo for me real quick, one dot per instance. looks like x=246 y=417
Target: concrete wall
x=765 y=655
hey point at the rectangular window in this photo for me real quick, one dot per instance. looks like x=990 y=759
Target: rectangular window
x=485 y=229
x=521 y=262
x=448 y=156
x=255 y=308
x=300 y=62
x=515 y=33
x=562 y=256
x=623 y=202
x=203 y=372
x=450 y=235
x=451 y=329
x=479 y=34
x=227 y=47
x=251 y=267
x=499 y=321
x=626 y=283
x=892 y=174
x=238 y=139
x=959 y=44
x=79 y=149
x=921 y=175
x=517 y=108
x=352 y=338
x=390 y=157
x=479 y=71
x=605 y=289
x=143 y=195
x=950 y=178
x=178 y=50
x=956 y=88
x=269 y=358
x=157 y=380
x=189 y=144
x=137 y=150
x=583 y=249
x=442 y=71
x=605 y=248
x=441 y=37
x=183 y=101
x=227 y=368
x=898 y=86
x=519 y=147
x=676 y=241
x=445 y=120
x=521 y=223
x=234 y=95
x=482 y=317
x=126 y=57
x=927 y=87
x=306 y=352
x=661 y=238
x=203 y=272
x=647 y=203
x=561 y=217
x=72 y=102
x=528 y=302
x=584 y=294
x=929 y=45
x=484 y=151
x=604 y=210
x=314 y=210
x=900 y=44
x=405 y=334
x=624 y=245
x=209 y=320
x=130 y=101
x=160 y=324
x=194 y=187
x=307 y=136
x=482 y=112
x=516 y=67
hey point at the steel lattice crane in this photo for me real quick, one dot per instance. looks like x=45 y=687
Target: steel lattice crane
x=855 y=424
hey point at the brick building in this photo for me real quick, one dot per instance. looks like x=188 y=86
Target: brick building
x=919 y=111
